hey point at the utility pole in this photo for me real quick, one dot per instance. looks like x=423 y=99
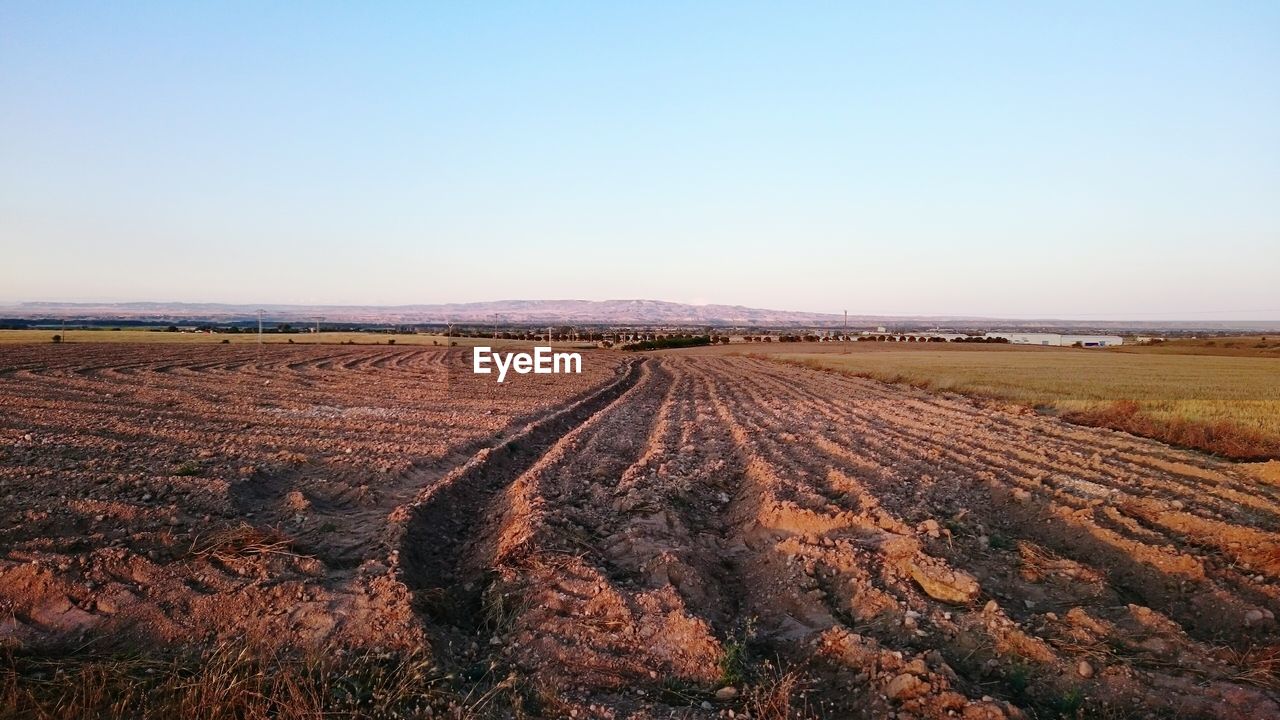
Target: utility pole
x=845 y=332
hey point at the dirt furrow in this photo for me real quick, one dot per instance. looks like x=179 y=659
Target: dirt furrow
x=776 y=426
x=1113 y=527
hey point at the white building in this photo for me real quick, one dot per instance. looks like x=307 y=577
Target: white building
x=1093 y=340
x=1059 y=340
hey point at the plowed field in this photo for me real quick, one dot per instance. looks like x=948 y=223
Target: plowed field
x=673 y=536
x=183 y=492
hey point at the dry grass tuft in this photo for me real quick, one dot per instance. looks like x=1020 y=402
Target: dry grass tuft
x=1037 y=563
x=1259 y=666
x=228 y=682
x=242 y=541
x=777 y=695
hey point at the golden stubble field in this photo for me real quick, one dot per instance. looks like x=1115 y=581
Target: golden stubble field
x=1224 y=404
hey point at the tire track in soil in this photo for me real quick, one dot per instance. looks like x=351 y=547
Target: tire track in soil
x=440 y=525
x=650 y=558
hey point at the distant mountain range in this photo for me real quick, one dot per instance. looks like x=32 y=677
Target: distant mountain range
x=557 y=312
x=644 y=312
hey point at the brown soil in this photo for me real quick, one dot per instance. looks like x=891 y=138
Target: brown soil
x=179 y=494
x=636 y=541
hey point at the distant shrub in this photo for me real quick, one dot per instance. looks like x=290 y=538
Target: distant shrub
x=669 y=342
x=57 y=339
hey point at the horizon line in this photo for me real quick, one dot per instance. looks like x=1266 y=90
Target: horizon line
x=1025 y=317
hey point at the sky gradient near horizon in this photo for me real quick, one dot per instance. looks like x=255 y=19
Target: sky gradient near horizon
x=1091 y=160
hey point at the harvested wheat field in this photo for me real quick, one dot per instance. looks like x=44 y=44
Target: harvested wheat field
x=669 y=536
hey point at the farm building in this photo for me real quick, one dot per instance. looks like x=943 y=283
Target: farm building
x=1057 y=339
x=1093 y=340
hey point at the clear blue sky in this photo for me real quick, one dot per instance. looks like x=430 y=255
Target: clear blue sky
x=1099 y=160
